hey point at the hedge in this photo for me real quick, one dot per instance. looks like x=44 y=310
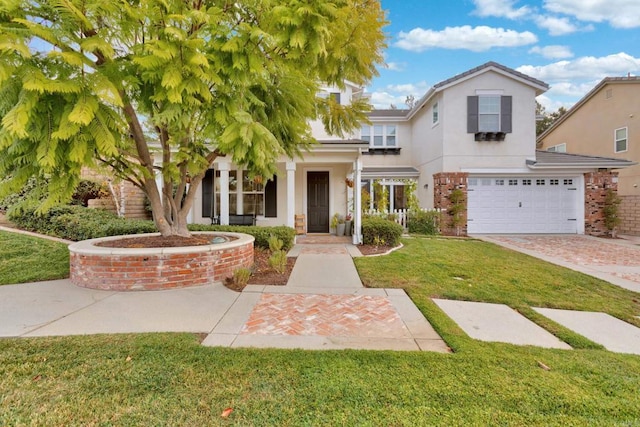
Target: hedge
x=379 y=231
x=80 y=223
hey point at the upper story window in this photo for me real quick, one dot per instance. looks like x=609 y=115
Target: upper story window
x=379 y=136
x=560 y=148
x=335 y=96
x=621 y=140
x=489 y=113
x=489 y=116
x=435 y=113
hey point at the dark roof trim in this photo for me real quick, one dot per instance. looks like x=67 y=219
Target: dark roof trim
x=553 y=160
x=587 y=97
x=492 y=64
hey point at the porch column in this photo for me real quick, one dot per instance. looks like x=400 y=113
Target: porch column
x=224 y=167
x=357 y=202
x=291 y=194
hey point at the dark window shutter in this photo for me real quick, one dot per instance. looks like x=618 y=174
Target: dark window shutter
x=271 y=198
x=472 y=114
x=207 y=194
x=505 y=114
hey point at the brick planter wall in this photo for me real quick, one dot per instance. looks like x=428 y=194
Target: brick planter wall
x=124 y=269
x=629 y=212
x=443 y=184
x=596 y=185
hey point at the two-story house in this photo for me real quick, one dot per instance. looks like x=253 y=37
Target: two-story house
x=605 y=122
x=474 y=132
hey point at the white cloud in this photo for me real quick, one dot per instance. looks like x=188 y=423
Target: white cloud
x=552 y=52
x=416 y=89
x=556 y=26
x=585 y=68
x=500 y=8
x=477 y=39
x=395 y=66
x=551 y=105
x=618 y=13
x=384 y=100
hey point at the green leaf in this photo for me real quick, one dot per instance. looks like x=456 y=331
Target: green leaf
x=84 y=110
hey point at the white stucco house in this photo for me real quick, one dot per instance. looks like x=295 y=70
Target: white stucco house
x=474 y=131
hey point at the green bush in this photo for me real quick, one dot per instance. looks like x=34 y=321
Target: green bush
x=378 y=231
x=423 y=222
x=261 y=234
x=77 y=222
x=87 y=190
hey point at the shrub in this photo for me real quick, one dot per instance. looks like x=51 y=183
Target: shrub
x=278 y=261
x=241 y=277
x=30 y=191
x=275 y=244
x=377 y=231
x=87 y=190
x=423 y=222
x=76 y=222
x=261 y=234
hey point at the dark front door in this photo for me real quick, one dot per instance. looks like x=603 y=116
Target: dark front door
x=318 y=202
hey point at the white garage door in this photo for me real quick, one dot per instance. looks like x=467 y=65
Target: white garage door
x=522 y=205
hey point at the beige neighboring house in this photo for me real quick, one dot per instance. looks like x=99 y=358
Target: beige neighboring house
x=605 y=123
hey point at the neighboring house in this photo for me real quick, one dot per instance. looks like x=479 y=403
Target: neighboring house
x=475 y=132
x=605 y=122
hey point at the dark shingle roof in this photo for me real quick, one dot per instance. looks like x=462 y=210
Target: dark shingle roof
x=550 y=159
x=495 y=65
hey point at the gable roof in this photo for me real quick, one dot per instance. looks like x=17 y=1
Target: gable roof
x=587 y=97
x=555 y=160
x=501 y=69
x=538 y=85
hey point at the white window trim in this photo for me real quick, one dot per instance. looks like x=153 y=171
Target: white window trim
x=555 y=148
x=384 y=135
x=435 y=111
x=626 y=139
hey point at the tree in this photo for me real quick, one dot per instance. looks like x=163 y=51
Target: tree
x=157 y=89
x=546 y=120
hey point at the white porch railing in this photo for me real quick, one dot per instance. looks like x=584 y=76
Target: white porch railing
x=399 y=215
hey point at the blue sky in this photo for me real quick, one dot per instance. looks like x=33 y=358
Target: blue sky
x=569 y=44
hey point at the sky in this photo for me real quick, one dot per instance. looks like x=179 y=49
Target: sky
x=569 y=44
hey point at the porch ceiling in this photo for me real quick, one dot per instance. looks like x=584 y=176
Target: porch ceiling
x=390 y=172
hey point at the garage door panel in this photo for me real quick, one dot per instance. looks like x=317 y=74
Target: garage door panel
x=522 y=205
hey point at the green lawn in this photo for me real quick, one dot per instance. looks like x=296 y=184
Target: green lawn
x=26 y=259
x=169 y=379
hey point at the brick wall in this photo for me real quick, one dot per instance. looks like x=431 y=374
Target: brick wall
x=166 y=269
x=443 y=184
x=597 y=184
x=629 y=212
x=134 y=198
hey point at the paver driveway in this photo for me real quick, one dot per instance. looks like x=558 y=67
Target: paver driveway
x=614 y=260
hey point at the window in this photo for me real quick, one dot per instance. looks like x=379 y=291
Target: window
x=379 y=136
x=499 y=181
x=554 y=181
x=621 y=140
x=526 y=182
x=568 y=182
x=513 y=182
x=395 y=194
x=434 y=113
x=540 y=182
x=560 y=148
x=489 y=113
x=254 y=196
x=335 y=96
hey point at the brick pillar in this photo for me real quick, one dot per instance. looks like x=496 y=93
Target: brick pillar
x=596 y=185
x=443 y=185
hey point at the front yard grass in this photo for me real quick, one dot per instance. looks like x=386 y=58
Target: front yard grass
x=28 y=259
x=169 y=379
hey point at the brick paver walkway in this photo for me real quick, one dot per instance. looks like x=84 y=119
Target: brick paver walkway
x=578 y=249
x=325 y=315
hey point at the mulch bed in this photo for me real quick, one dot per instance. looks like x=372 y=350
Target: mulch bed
x=262 y=273
x=157 y=242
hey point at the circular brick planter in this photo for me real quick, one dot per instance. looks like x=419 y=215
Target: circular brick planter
x=126 y=269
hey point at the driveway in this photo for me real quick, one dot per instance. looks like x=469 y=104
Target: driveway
x=615 y=260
